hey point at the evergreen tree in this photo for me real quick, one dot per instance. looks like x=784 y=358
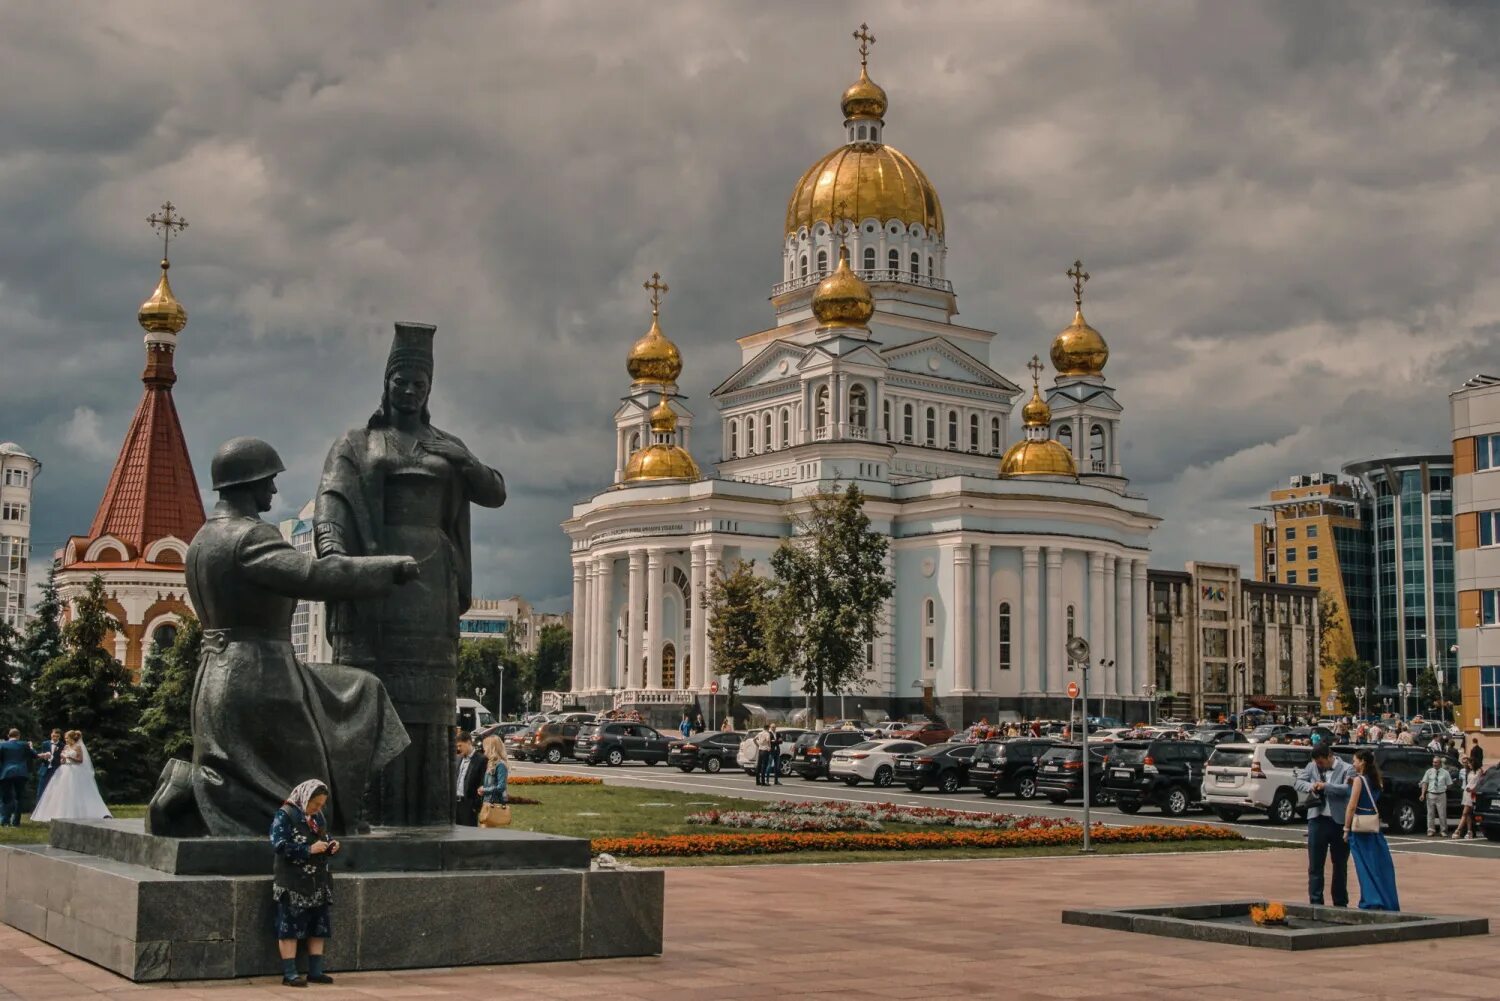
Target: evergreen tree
x=86 y=689
x=43 y=639
x=553 y=666
x=738 y=606
x=830 y=586
x=12 y=696
x=167 y=694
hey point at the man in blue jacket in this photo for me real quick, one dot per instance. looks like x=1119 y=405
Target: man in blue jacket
x=1326 y=779
x=51 y=758
x=15 y=770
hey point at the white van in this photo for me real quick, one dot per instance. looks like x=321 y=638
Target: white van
x=472 y=715
x=1255 y=778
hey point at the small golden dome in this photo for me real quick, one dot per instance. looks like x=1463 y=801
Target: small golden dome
x=654 y=359
x=1038 y=457
x=864 y=99
x=663 y=418
x=1080 y=349
x=843 y=299
x=162 y=313
x=1036 y=413
x=864 y=181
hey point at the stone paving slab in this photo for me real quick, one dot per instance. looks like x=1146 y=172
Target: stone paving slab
x=960 y=929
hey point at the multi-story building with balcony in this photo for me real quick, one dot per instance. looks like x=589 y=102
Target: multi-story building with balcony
x=1476 y=517
x=18 y=471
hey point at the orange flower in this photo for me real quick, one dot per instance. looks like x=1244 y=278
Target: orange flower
x=555 y=780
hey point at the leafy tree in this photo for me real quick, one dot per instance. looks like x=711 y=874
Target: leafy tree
x=167 y=693
x=830 y=584
x=479 y=666
x=1349 y=674
x=87 y=689
x=738 y=608
x=552 y=670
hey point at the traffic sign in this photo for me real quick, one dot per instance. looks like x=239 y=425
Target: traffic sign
x=713 y=688
x=1072 y=689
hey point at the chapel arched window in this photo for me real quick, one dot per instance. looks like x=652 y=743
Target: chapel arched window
x=734 y=438
x=786 y=426
x=804 y=266
x=821 y=409
x=893 y=259
x=916 y=265
x=953 y=429
x=750 y=435
x=1096 y=446
x=931 y=426
x=869 y=258
x=995 y=435
x=859 y=407
x=907 y=431
x=973 y=432
x=822 y=261
x=1004 y=631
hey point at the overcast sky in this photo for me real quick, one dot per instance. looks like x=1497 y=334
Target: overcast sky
x=1289 y=210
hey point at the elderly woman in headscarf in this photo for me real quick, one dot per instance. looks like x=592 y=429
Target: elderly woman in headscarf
x=301 y=883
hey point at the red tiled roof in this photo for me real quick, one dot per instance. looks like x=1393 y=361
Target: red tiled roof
x=152 y=492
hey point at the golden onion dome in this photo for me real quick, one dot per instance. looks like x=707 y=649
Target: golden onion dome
x=843 y=299
x=864 y=99
x=162 y=313
x=653 y=358
x=1038 y=457
x=661 y=462
x=1036 y=413
x=1079 y=349
x=863 y=180
x=663 y=418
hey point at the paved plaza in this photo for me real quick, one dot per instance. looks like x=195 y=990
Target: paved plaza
x=921 y=930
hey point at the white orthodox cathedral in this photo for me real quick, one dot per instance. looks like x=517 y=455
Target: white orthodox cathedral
x=1005 y=541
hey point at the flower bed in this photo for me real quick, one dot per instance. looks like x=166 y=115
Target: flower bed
x=554 y=780
x=772 y=820
x=522 y=801
x=791 y=815
x=765 y=843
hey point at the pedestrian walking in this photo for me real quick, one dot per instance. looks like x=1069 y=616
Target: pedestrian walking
x=1470 y=776
x=1367 y=845
x=301 y=884
x=1326 y=781
x=1435 y=783
x=494 y=810
x=686 y=726
x=762 y=755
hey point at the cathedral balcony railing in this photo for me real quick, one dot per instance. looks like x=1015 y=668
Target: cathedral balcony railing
x=653 y=696
x=1098 y=465
x=870 y=275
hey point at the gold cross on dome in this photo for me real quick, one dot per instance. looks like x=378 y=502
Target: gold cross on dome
x=658 y=288
x=865 y=41
x=1079 y=276
x=1035 y=365
x=166 y=223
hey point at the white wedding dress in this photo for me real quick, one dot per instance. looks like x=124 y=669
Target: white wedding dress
x=72 y=794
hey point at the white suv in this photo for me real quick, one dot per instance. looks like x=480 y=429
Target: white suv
x=1255 y=778
x=871 y=760
x=748 y=755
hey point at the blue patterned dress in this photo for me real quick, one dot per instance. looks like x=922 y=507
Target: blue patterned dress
x=301 y=883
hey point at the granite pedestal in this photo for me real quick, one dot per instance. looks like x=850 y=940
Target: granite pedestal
x=152 y=908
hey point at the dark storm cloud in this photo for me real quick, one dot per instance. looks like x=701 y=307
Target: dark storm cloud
x=1288 y=208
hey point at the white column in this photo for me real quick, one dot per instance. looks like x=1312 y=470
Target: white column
x=1029 y=622
x=604 y=673
x=653 y=617
x=1056 y=663
x=1140 y=617
x=984 y=611
x=1096 y=614
x=1106 y=677
x=840 y=404
x=580 y=616
x=699 y=679
x=585 y=681
x=963 y=604
x=635 y=642
x=1124 y=673
x=713 y=557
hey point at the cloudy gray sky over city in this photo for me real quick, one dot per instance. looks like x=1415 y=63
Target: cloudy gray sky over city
x=1289 y=210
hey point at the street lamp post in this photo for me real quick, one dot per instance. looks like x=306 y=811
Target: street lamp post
x=1360 y=691
x=479 y=694
x=1404 y=689
x=1078 y=653
x=1239 y=670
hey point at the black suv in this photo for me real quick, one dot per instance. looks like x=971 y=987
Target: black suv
x=1486 y=804
x=710 y=751
x=552 y=742
x=943 y=765
x=1007 y=766
x=1059 y=773
x=518 y=743
x=1402 y=767
x=1168 y=773
x=618 y=742
x=814 y=750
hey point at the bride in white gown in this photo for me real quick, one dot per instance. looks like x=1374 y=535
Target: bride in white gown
x=72 y=794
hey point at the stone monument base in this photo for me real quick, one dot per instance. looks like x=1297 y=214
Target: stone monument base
x=152 y=908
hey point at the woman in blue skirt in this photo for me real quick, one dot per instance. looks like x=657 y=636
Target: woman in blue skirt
x=301 y=883
x=1371 y=854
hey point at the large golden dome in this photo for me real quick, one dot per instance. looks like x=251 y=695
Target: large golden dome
x=1079 y=349
x=843 y=299
x=162 y=313
x=662 y=460
x=1044 y=457
x=864 y=180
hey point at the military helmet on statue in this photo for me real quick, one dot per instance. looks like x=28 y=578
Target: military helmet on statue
x=244 y=460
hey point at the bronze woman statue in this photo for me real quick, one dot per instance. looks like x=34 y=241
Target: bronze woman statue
x=401 y=486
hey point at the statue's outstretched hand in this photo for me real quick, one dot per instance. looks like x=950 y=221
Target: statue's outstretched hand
x=452 y=451
x=407 y=570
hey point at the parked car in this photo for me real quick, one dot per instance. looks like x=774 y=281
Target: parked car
x=518 y=742
x=930 y=732
x=1255 y=778
x=814 y=750
x=943 y=765
x=709 y=751
x=747 y=754
x=501 y=730
x=1168 y=773
x=471 y=715
x=889 y=726
x=615 y=743
x=1266 y=731
x=552 y=742
x=1402 y=767
x=872 y=761
x=1486 y=804
x=1059 y=772
x=1214 y=738
x=1008 y=766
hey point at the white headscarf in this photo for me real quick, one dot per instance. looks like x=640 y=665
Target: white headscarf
x=304 y=793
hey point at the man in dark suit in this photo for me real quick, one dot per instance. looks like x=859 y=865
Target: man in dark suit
x=470 y=777
x=51 y=758
x=15 y=769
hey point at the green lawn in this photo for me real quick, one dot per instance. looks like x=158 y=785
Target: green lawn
x=36 y=834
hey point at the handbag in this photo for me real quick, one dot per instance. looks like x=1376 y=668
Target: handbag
x=494 y=815
x=1367 y=823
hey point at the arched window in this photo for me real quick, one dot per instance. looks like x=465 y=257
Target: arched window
x=786 y=426
x=822 y=261
x=931 y=426
x=750 y=435
x=885 y=416
x=893 y=259
x=804 y=265
x=906 y=422
x=1096 y=445
x=916 y=264
x=767 y=428
x=869 y=258
x=859 y=407
x=953 y=429
x=1065 y=437
x=995 y=435
x=929 y=612
x=863 y=131
x=668 y=666
x=635 y=442
x=164 y=635
x=821 y=409
x=929 y=266
x=734 y=439
x=1072 y=621
x=1005 y=636
x=685 y=585
x=973 y=432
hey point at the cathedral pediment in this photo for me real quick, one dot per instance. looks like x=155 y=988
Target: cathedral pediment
x=1075 y=394
x=937 y=358
x=778 y=362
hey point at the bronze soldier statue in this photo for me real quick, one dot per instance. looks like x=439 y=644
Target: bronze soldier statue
x=400 y=485
x=263 y=721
